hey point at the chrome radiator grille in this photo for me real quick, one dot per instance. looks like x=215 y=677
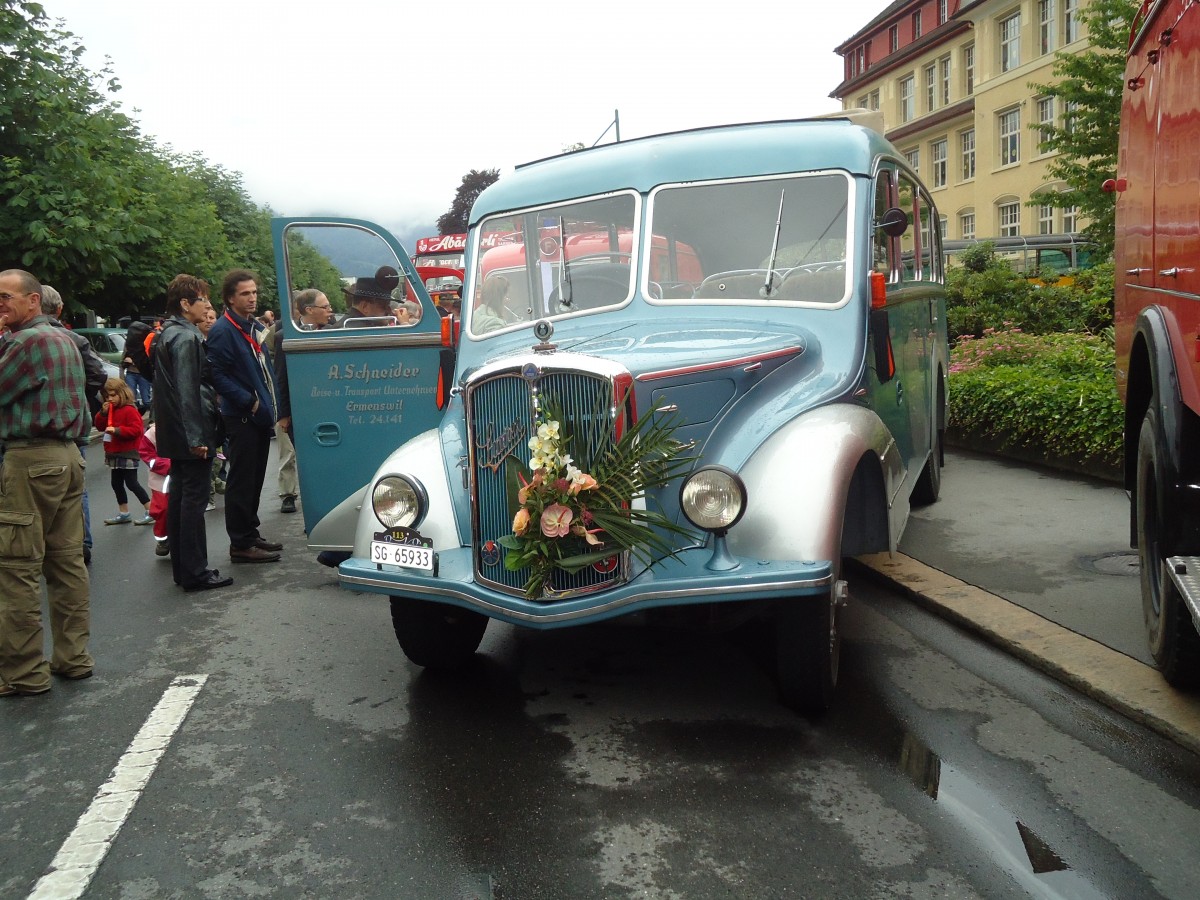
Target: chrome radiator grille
x=500 y=413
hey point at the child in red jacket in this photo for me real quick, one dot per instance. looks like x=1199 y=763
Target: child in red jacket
x=122 y=426
x=160 y=468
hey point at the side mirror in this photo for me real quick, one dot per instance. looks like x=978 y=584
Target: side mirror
x=894 y=222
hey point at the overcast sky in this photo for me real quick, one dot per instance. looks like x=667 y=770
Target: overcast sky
x=377 y=108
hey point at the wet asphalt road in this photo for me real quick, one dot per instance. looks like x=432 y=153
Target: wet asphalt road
x=615 y=761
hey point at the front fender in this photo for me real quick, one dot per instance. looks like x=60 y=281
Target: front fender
x=420 y=458
x=799 y=481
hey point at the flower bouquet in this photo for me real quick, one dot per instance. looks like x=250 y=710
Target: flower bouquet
x=572 y=513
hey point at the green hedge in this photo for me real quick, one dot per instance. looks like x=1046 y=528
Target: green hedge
x=1052 y=394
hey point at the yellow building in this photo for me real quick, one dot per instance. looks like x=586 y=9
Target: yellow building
x=952 y=80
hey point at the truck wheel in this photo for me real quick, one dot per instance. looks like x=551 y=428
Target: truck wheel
x=1174 y=642
x=437 y=635
x=807 y=649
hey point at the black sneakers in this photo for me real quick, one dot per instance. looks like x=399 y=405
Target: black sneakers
x=289 y=503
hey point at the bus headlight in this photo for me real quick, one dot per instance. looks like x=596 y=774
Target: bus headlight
x=399 y=501
x=713 y=498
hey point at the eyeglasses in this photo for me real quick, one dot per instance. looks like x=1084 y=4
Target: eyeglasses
x=5 y=298
x=319 y=306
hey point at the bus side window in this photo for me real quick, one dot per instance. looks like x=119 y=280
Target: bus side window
x=882 y=244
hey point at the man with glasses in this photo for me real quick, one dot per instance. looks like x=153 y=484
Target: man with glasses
x=186 y=419
x=312 y=312
x=43 y=412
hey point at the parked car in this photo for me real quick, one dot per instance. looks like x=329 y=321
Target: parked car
x=109 y=343
x=732 y=338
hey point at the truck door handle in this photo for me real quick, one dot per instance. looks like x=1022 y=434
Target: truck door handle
x=1172 y=272
x=1135 y=273
x=328 y=434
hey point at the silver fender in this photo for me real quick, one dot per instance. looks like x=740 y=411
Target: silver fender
x=420 y=458
x=797 y=484
x=336 y=530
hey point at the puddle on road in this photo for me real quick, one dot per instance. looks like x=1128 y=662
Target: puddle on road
x=1012 y=844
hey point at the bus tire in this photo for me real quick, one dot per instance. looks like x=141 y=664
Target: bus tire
x=437 y=636
x=808 y=649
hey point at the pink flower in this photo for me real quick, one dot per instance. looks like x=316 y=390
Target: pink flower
x=528 y=486
x=561 y=484
x=520 y=522
x=588 y=535
x=583 y=482
x=556 y=520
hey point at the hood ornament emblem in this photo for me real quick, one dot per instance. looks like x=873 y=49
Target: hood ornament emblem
x=543 y=330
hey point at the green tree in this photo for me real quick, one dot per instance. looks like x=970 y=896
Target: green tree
x=89 y=204
x=1088 y=90
x=454 y=220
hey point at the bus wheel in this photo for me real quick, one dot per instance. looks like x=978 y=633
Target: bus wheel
x=437 y=635
x=1174 y=642
x=808 y=647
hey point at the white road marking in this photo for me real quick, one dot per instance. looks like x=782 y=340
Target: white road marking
x=86 y=846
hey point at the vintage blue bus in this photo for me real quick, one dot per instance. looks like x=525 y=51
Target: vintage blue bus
x=694 y=372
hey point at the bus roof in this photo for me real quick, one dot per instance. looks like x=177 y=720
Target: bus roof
x=726 y=151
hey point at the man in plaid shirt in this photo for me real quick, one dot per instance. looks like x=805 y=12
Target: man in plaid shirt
x=43 y=411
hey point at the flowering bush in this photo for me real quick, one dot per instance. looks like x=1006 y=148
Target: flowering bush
x=566 y=518
x=1038 y=392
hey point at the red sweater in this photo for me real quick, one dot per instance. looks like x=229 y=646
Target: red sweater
x=128 y=422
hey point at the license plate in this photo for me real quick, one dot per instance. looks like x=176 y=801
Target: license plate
x=405 y=556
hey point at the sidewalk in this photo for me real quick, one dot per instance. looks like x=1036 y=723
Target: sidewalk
x=1038 y=563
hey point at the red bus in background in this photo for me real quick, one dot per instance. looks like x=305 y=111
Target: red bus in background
x=447 y=251
x=1157 y=318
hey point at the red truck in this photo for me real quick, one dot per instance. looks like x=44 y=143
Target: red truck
x=1157 y=319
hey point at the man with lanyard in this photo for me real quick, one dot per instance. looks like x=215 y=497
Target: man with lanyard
x=43 y=413
x=241 y=372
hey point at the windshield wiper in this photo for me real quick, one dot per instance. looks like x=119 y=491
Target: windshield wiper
x=564 y=272
x=766 y=290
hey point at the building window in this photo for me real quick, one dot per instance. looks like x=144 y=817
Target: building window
x=1070 y=219
x=1046 y=23
x=862 y=102
x=1045 y=119
x=1010 y=137
x=1070 y=110
x=916 y=22
x=966 y=225
x=968 y=54
x=931 y=91
x=943 y=227
x=1010 y=42
x=860 y=61
x=894 y=38
x=914 y=158
x=938 y=153
x=1010 y=219
x=908 y=100
x=944 y=79
x=1045 y=218
x=942 y=11
x=873 y=99
x=966 y=143
x=1070 y=21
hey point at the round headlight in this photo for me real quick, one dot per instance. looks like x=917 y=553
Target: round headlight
x=713 y=498
x=398 y=502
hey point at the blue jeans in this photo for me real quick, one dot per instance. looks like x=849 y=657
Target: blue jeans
x=142 y=391
x=87 y=513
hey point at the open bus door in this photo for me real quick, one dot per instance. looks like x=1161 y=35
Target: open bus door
x=359 y=387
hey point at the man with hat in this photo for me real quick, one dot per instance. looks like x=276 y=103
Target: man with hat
x=43 y=413
x=371 y=298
